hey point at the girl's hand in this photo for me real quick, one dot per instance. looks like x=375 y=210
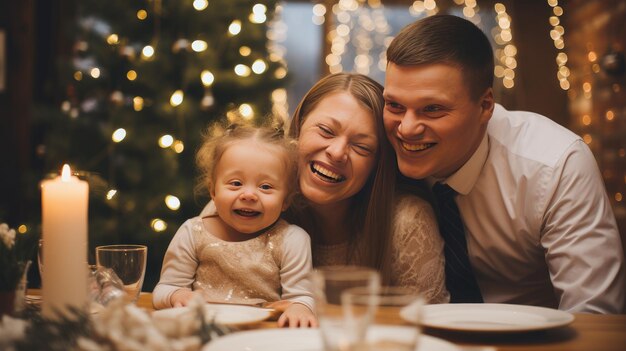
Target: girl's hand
x=181 y=297
x=297 y=315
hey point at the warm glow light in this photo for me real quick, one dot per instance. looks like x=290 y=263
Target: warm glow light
x=78 y=75
x=166 y=141
x=558 y=10
x=158 y=225
x=257 y=17
x=586 y=120
x=177 y=98
x=618 y=197
x=235 y=27
x=280 y=73
x=207 y=78
x=138 y=103
x=142 y=14
x=22 y=229
x=200 y=5
x=259 y=8
x=587 y=87
x=119 y=135
x=111 y=194
x=172 y=202
x=199 y=45
x=147 y=51
x=319 y=10
x=245 y=51
x=242 y=70
x=113 y=39
x=131 y=75
x=592 y=56
x=587 y=138
x=610 y=115
x=178 y=146
x=95 y=72
x=246 y=111
x=66 y=173
x=259 y=66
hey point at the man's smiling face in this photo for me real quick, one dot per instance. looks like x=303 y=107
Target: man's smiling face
x=430 y=119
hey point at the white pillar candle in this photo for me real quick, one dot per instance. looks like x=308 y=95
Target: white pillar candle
x=64 y=201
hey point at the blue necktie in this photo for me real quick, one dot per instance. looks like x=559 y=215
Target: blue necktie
x=460 y=278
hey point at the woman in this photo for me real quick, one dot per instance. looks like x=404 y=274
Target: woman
x=348 y=205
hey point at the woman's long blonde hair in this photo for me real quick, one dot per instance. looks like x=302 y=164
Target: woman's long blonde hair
x=372 y=207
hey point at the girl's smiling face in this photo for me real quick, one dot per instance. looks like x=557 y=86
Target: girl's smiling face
x=250 y=186
x=337 y=149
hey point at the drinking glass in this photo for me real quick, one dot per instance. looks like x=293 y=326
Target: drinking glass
x=129 y=264
x=342 y=331
x=397 y=303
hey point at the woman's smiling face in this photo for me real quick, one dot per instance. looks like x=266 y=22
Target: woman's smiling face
x=337 y=149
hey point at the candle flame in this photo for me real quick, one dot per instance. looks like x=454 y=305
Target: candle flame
x=66 y=173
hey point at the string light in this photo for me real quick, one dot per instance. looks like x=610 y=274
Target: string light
x=172 y=202
x=258 y=14
x=362 y=28
x=235 y=27
x=166 y=141
x=113 y=39
x=142 y=14
x=242 y=70
x=137 y=103
x=118 y=135
x=22 y=229
x=319 y=10
x=503 y=36
x=177 y=98
x=199 y=45
x=207 y=78
x=200 y=5
x=111 y=194
x=556 y=33
x=158 y=225
x=78 y=76
x=131 y=75
x=178 y=146
x=95 y=72
x=246 y=111
x=279 y=102
x=259 y=66
x=147 y=52
x=245 y=51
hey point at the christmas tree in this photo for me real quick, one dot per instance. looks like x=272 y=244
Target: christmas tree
x=145 y=81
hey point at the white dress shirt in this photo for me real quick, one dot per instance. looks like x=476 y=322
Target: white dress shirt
x=540 y=229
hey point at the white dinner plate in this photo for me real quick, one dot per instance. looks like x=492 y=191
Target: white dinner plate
x=489 y=317
x=224 y=313
x=310 y=340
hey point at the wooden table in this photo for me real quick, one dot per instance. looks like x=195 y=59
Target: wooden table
x=588 y=332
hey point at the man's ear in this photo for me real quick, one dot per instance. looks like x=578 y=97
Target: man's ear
x=487 y=105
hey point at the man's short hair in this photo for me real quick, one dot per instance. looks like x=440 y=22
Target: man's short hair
x=450 y=40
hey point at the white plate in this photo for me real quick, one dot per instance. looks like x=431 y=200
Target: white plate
x=224 y=314
x=489 y=317
x=310 y=340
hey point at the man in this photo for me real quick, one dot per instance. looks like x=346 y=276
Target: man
x=539 y=229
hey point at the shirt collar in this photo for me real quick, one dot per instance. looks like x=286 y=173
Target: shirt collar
x=463 y=180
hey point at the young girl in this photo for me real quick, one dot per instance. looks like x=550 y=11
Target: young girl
x=239 y=251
